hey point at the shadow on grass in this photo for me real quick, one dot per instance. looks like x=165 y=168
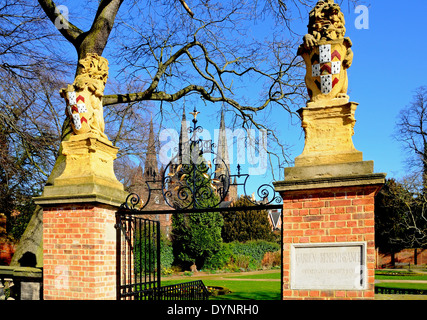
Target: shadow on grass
x=247 y=290
x=248 y=296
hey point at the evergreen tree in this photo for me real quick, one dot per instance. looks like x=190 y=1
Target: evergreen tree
x=196 y=236
x=246 y=225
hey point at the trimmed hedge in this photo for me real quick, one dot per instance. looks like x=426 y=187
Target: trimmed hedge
x=241 y=255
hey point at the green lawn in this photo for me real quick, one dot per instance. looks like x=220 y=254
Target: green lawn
x=401 y=275
x=266 y=285
x=400 y=285
x=408 y=277
x=242 y=287
x=275 y=275
x=247 y=290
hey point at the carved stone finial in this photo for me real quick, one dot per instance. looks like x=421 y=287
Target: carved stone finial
x=327 y=53
x=84 y=96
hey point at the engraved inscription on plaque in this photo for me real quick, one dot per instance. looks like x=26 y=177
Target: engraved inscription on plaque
x=328 y=266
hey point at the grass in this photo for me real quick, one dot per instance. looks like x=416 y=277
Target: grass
x=275 y=275
x=408 y=278
x=266 y=285
x=247 y=290
x=400 y=285
x=402 y=277
x=260 y=286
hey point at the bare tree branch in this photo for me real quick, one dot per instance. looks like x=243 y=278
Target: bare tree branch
x=67 y=29
x=94 y=40
x=187 y=8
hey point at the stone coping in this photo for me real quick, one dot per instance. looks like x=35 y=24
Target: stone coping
x=330 y=182
x=20 y=272
x=46 y=201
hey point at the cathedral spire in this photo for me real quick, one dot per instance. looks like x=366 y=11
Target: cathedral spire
x=222 y=150
x=151 y=168
x=184 y=146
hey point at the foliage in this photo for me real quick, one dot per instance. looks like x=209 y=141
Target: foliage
x=197 y=236
x=254 y=249
x=238 y=256
x=141 y=253
x=411 y=131
x=272 y=259
x=216 y=291
x=166 y=253
x=19 y=223
x=390 y=208
x=220 y=258
x=246 y=225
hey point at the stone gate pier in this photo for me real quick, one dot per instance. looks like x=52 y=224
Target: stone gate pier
x=79 y=239
x=82 y=196
x=328 y=196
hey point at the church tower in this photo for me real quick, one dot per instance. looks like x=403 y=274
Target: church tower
x=222 y=153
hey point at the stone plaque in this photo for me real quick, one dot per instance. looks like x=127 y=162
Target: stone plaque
x=328 y=266
x=30 y=291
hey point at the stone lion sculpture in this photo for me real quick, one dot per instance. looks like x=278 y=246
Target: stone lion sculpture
x=84 y=96
x=326 y=52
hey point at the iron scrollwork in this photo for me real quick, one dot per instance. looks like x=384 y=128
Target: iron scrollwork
x=191 y=178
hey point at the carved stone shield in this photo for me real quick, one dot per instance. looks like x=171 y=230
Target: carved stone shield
x=326 y=78
x=77 y=111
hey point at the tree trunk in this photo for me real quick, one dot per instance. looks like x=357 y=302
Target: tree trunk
x=92 y=41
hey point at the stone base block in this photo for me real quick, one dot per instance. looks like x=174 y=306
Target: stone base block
x=88 y=175
x=329 y=170
x=328 y=134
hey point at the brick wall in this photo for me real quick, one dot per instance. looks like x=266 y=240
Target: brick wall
x=79 y=252
x=406 y=256
x=341 y=214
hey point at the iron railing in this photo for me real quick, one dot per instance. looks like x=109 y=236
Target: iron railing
x=194 y=290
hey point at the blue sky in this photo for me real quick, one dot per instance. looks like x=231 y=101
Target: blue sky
x=388 y=66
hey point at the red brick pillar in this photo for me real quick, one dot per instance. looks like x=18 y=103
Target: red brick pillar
x=79 y=238
x=79 y=252
x=328 y=237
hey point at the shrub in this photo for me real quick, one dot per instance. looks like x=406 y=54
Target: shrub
x=242 y=256
x=271 y=259
x=166 y=253
x=220 y=259
x=255 y=249
x=167 y=271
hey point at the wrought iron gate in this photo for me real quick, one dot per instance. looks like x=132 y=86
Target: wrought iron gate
x=138 y=262
x=184 y=187
x=138 y=256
